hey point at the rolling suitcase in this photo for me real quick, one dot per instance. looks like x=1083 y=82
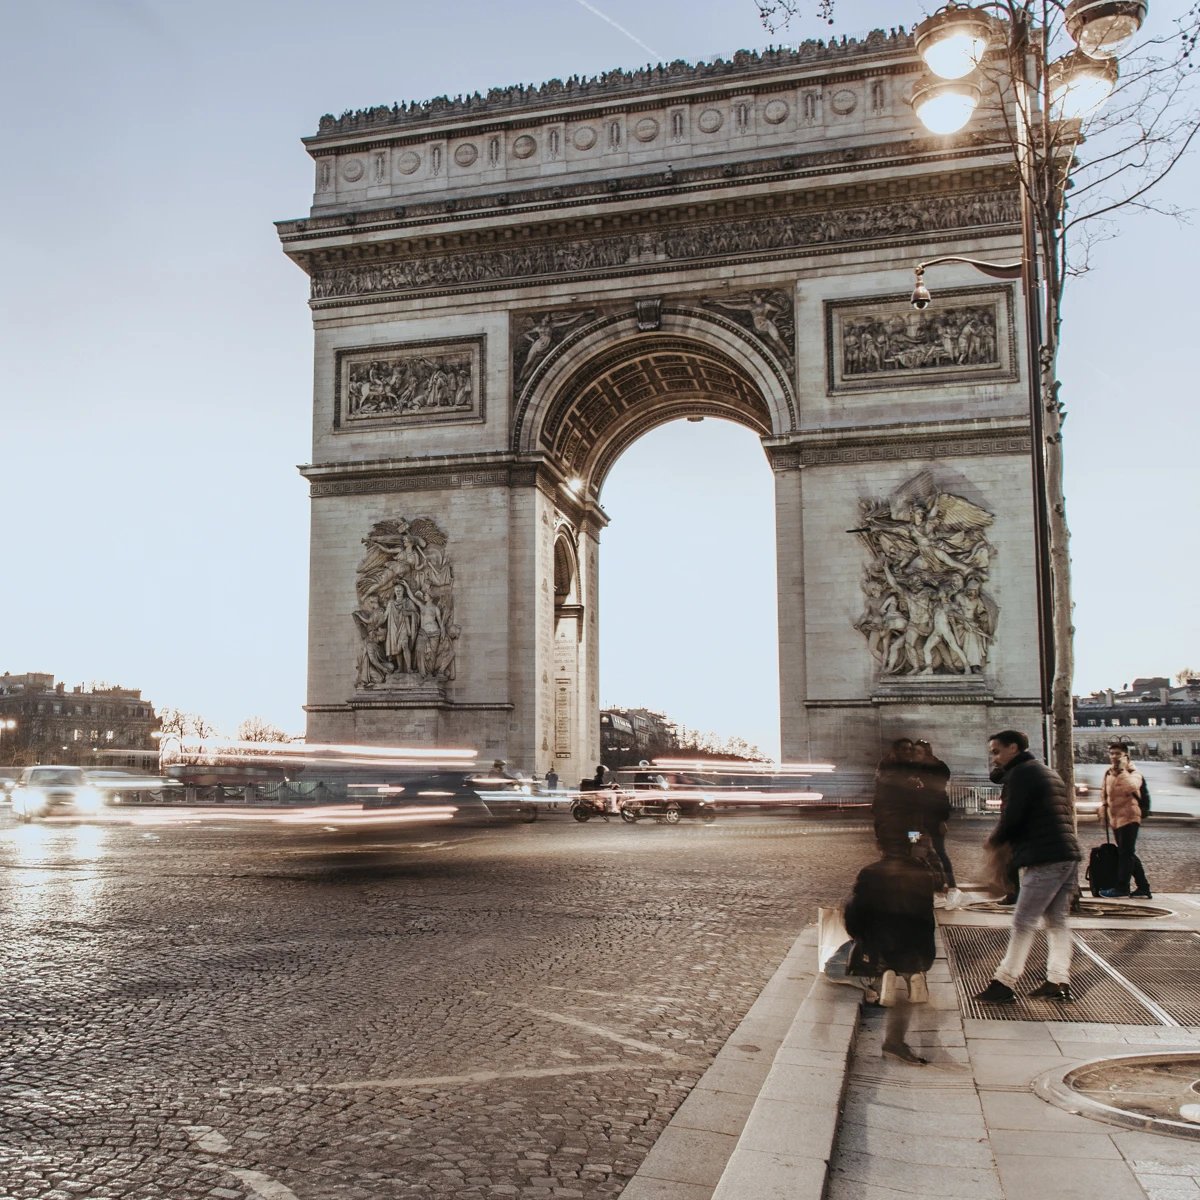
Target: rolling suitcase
x=1102 y=866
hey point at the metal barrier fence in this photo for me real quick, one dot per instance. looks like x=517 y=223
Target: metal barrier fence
x=971 y=799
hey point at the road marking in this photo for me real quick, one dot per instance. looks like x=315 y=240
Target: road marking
x=263 y=1185
x=458 y=1080
x=598 y=1030
x=207 y=1138
x=1163 y=1016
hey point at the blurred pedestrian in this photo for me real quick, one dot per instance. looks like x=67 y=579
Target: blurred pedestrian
x=936 y=809
x=898 y=807
x=890 y=916
x=552 y=780
x=1124 y=800
x=1037 y=821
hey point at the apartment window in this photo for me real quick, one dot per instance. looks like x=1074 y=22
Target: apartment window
x=1195 y=749
x=1133 y=720
x=1177 y=749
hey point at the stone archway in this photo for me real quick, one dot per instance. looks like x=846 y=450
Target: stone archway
x=508 y=291
x=595 y=396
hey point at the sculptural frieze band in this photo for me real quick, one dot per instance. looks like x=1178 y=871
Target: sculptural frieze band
x=404 y=585
x=790 y=231
x=927 y=611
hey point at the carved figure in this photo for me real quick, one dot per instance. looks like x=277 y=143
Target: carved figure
x=767 y=311
x=540 y=334
x=372 y=666
x=405 y=589
x=926 y=611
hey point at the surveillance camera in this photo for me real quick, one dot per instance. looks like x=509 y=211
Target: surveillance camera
x=920 y=297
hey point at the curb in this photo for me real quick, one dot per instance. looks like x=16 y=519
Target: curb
x=743 y=1133
x=789 y=1138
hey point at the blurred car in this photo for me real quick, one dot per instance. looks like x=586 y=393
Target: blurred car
x=45 y=791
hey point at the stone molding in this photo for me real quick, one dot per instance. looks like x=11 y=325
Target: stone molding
x=812 y=227
x=528 y=197
x=391 y=703
x=944 y=698
x=619 y=84
x=892 y=444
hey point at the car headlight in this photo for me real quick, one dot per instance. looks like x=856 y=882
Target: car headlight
x=89 y=799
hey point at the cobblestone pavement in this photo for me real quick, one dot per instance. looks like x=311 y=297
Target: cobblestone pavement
x=203 y=1012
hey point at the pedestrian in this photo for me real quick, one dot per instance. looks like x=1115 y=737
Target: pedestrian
x=890 y=916
x=1037 y=821
x=552 y=780
x=898 y=807
x=936 y=810
x=1124 y=800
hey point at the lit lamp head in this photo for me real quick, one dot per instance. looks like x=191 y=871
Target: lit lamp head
x=1078 y=84
x=1102 y=28
x=954 y=40
x=944 y=105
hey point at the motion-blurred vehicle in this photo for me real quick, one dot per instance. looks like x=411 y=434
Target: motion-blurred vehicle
x=45 y=791
x=650 y=794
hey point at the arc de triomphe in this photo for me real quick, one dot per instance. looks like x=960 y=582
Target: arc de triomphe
x=510 y=289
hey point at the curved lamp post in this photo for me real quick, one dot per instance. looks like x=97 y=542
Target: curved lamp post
x=967 y=47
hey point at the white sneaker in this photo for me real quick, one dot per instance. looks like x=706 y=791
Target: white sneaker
x=918 y=989
x=887 y=989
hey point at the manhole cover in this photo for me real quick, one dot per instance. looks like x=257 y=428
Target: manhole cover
x=1156 y=1092
x=1108 y=909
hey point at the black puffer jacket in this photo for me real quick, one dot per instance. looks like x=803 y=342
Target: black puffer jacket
x=1036 y=814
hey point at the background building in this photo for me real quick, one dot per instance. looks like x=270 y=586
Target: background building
x=1160 y=721
x=41 y=721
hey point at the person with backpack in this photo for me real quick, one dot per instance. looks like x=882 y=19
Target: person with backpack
x=1037 y=822
x=1124 y=801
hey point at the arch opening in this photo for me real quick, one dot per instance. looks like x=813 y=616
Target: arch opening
x=692 y=521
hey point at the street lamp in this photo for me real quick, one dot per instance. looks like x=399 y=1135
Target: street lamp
x=1042 y=103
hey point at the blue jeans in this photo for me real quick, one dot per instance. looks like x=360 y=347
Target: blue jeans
x=1046 y=891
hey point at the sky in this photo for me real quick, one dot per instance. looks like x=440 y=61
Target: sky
x=155 y=363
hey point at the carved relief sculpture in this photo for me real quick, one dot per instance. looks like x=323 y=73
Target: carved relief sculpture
x=420 y=383
x=537 y=335
x=926 y=611
x=886 y=343
x=405 y=616
x=768 y=315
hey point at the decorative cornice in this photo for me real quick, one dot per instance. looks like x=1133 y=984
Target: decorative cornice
x=678 y=180
x=746 y=64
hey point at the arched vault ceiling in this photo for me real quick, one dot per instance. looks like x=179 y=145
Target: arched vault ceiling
x=617 y=396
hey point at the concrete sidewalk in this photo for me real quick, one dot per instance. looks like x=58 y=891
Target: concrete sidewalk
x=800 y=1104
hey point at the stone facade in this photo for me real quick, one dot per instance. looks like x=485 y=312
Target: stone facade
x=507 y=291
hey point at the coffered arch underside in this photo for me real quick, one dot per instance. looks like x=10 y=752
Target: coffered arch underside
x=609 y=384
x=632 y=390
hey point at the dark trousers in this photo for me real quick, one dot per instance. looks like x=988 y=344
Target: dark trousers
x=1128 y=863
x=938 y=838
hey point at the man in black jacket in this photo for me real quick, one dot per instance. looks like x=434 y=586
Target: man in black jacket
x=1037 y=822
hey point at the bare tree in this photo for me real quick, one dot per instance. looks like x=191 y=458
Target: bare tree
x=1184 y=674
x=255 y=729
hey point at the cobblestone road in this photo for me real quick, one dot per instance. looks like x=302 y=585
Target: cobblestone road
x=202 y=1012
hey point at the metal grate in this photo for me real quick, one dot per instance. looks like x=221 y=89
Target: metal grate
x=1107 y=909
x=1163 y=963
x=974 y=951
